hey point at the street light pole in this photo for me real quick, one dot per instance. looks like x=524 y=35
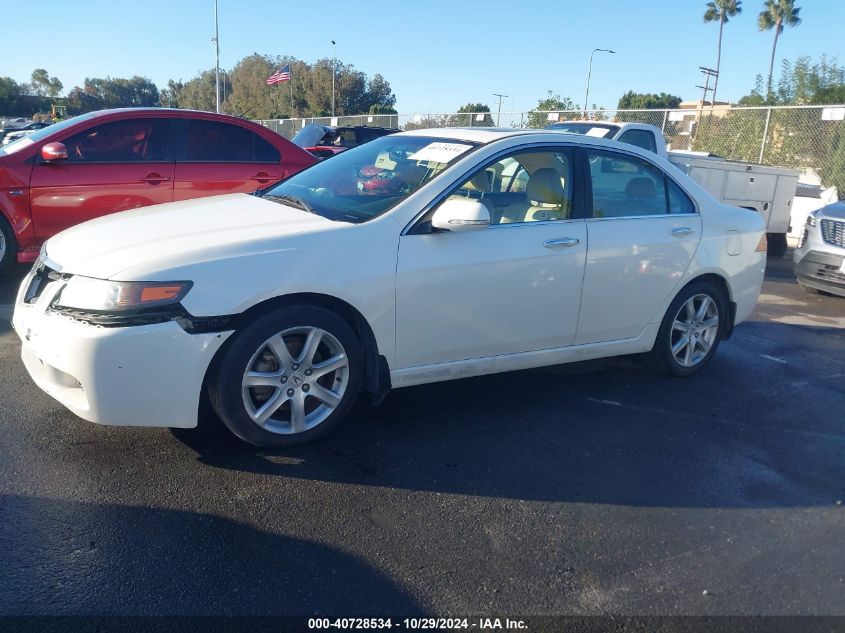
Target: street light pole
x=499 y=112
x=334 y=66
x=217 y=66
x=590 y=72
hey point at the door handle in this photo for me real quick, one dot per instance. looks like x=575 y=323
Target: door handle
x=563 y=242
x=262 y=176
x=681 y=231
x=154 y=179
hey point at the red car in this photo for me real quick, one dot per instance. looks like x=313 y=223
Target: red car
x=114 y=160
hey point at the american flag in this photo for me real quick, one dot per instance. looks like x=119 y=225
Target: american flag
x=279 y=76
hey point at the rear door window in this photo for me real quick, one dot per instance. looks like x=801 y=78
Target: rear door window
x=628 y=186
x=639 y=138
x=216 y=142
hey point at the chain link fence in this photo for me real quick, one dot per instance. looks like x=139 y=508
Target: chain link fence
x=800 y=137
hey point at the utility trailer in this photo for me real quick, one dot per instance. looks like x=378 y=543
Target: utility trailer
x=762 y=188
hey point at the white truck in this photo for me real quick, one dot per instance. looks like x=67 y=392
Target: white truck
x=762 y=188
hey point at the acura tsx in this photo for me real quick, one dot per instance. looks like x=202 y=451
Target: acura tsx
x=418 y=257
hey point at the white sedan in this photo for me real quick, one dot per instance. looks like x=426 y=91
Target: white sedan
x=419 y=257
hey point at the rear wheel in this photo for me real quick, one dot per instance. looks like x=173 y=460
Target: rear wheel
x=288 y=378
x=691 y=330
x=8 y=246
x=776 y=244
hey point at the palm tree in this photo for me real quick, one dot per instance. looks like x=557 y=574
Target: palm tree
x=776 y=14
x=720 y=11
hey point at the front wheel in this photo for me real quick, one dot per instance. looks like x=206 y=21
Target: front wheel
x=288 y=378
x=8 y=246
x=691 y=330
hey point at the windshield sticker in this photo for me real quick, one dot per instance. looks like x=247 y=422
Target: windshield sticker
x=599 y=132
x=440 y=152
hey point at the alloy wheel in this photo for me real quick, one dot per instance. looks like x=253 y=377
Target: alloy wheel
x=295 y=380
x=694 y=330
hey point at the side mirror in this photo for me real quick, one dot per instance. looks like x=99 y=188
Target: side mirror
x=461 y=214
x=54 y=151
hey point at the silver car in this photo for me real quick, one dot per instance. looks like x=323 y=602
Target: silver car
x=819 y=260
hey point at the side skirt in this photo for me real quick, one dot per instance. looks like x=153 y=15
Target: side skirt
x=452 y=370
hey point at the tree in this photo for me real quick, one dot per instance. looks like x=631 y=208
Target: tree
x=552 y=103
x=97 y=94
x=643 y=101
x=775 y=15
x=803 y=82
x=794 y=137
x=251 y=96
x=420 y=122
x=465 y=116
x=380 y=95
x=721 y=11
x=196 y=94
x=756 y=97
x=807 y=83
x=381 y=109
x=45 y=86
x=308 y=93
x=169 y=97
x=9 y=93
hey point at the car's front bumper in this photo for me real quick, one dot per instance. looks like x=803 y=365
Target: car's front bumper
x=149 y=375
x=820 y=270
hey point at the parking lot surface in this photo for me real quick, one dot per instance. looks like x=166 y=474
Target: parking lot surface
x=594 y=488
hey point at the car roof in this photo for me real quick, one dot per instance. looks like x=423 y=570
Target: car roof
x=619 y=124
x=174 y=111
x=491 y=134
x=472 y=134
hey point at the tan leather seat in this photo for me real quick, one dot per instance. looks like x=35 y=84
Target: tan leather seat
x=480 y=182
x=545 y=199
x=641 y=189
x=643 y=198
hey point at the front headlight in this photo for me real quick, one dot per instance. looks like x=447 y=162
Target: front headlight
x=100 y=295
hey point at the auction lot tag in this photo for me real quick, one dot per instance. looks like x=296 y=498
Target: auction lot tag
x=598 y=132
x=833 y=114
x=440 y=152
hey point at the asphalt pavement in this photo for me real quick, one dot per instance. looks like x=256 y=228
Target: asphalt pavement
x=597 y=488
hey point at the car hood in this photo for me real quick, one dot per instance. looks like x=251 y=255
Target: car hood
x=835 y=211
x=310 y=135
x=176 y=234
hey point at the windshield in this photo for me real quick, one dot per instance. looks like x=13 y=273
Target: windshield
x=588 y=128
x=37 y=135
x=366 y=181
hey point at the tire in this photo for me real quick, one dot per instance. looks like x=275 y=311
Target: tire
x=777 y=244
x=283 y=402
x=8 y=247
x=816 y=291
x=807 y=289
x=706 y=340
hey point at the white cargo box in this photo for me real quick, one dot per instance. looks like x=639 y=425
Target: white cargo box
x=768 y=190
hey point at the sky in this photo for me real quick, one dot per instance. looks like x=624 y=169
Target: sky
x=437 y=55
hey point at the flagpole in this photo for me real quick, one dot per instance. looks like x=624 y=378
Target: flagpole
x=217 y=66
x=291 y=91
